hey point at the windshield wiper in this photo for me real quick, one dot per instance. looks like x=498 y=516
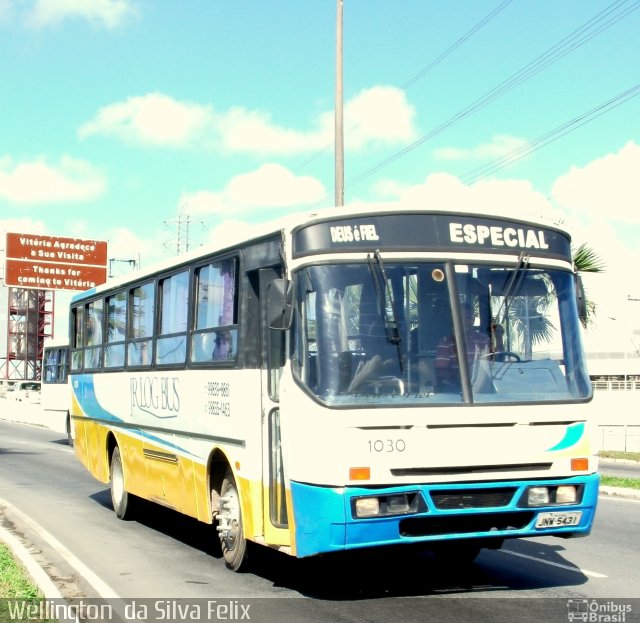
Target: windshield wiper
x=384 y=292
x=515 y=280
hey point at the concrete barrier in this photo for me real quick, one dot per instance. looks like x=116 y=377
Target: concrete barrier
x=35 y=414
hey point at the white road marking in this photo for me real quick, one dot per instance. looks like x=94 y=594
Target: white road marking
x=591 y=574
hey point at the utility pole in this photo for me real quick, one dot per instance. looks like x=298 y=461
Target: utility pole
x=183 y=224
x=339 y=123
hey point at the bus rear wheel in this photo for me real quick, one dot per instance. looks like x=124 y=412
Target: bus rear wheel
x=230 y=528
x=70 y=431
x=123 y=502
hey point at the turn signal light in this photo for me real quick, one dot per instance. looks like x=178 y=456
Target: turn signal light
x=359 y=473
x=579 y=465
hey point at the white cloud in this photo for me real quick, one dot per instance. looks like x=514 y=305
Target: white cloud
x=587 y=213
x=273 y=185
x=601 y=201
x=500 y=145
x=442 y=191
x=36 y=181
x=254 y=132
x=107 y=13
x=153 y=119
x=21 y=226
x=5 y=8
x=229 y=230
x=608 y=187
x=380 y=115
x=270 y=186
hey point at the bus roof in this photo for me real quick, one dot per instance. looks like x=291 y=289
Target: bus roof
x=287 y=224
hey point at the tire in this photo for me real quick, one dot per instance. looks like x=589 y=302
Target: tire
x=230 y=527
x=123 y=502
x=69 y=431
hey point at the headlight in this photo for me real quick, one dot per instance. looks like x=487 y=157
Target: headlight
x=551 y=495
x=388 y=505
x=398 y=504
x=537 y=496
x=566 y=494
x=367 y=507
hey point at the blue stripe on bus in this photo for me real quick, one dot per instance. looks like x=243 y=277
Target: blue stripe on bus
x=572 y=436
x=324 y=521
x=92 y=408
x=83 y=295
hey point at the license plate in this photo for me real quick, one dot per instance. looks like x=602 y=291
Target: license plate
x=558 y=520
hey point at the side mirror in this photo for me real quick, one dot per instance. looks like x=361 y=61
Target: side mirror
x=279 y=304
x=581 y=300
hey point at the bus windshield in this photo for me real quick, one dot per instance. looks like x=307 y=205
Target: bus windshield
x=393 y=333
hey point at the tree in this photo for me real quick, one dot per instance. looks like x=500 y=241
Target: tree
x=586 y=260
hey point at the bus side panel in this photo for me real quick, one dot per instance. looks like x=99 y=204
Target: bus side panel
x=87 y=434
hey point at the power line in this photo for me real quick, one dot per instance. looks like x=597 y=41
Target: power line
x=548 y=137
x=425 y=70
x=483 y=22
x=454 y=46
x=593 y=27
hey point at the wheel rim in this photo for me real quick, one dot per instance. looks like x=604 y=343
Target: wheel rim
x=117 y=483
x=229 y=519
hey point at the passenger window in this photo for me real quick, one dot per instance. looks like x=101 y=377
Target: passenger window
x=215 y=332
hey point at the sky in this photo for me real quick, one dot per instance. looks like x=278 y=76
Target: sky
x=124 y=120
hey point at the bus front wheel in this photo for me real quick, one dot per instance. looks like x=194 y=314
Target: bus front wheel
x=230 y=529
x=123 y=502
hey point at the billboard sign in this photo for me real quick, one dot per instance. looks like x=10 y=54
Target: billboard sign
x=54 y=263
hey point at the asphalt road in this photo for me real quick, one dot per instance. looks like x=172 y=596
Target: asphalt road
x=53 y=503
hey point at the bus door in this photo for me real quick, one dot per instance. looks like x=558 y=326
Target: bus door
x=276 y=522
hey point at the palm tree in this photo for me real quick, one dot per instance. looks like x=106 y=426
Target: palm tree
x=586 y=260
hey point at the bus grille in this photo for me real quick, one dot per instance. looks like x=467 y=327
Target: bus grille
x=464 y=524
x=472 y=498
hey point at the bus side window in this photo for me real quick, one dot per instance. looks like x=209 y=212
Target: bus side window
x=171 y=343
x=141 y=325
x=215 y=332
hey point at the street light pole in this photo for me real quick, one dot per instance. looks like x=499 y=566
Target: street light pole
x=339 y=124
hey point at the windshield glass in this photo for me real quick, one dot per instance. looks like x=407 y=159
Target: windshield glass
x=382 y=333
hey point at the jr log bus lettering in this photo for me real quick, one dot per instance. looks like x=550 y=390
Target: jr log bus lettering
x=346 y=379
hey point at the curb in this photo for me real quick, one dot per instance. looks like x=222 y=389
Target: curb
x=606 y=460
x=33 y=569
x=620 y=492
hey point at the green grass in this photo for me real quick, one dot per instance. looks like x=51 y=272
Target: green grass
x=14 y=582
x=616 y=481
x=16 y=585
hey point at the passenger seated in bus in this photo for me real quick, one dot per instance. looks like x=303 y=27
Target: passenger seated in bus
x=381 y=356
x=446 y=364
x=222 y=350
x=497 y=342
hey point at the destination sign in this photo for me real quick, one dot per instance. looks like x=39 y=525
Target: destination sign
x=430 y=232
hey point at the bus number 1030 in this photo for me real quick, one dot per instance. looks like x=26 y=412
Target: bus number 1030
x=387 y=445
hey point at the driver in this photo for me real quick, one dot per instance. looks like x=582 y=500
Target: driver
x=446 y=363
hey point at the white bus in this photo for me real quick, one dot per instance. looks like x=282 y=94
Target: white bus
x=315 y=389
x=55 y=390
